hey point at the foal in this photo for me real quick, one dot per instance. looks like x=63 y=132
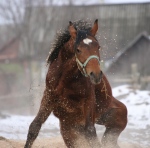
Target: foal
x=78 y=93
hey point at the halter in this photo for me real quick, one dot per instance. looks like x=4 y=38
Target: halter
x=85 y=63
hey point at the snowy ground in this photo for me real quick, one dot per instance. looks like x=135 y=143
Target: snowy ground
x=138 y=105
x=137 y=130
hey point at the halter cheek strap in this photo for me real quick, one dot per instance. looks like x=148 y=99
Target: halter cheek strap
x=85 y=63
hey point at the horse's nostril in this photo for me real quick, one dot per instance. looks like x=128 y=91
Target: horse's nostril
x=92 y=74
x=101 y=74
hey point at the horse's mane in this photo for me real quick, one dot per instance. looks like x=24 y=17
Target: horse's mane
x=63 y=36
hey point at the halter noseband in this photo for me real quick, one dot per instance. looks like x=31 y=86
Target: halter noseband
x=85 y=63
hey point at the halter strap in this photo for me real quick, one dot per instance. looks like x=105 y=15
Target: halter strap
x=85 y=63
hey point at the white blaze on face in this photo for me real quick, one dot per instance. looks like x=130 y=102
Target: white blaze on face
x=87 y=41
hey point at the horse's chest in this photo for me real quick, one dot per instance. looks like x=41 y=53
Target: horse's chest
x=71 y=103
x=73 y=89
x=69 y=107
x=71 y=96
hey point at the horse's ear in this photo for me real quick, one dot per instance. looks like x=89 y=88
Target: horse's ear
x=94 y=28
x=72 y=30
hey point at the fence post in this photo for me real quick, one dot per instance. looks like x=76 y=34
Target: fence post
x=134 y=76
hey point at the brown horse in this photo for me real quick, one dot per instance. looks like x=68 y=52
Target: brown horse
x=78 y=93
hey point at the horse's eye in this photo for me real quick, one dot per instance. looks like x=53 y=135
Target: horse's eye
x=99 y=47
x=78 y=51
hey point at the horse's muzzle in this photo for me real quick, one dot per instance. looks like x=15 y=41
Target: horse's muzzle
x=96 y=78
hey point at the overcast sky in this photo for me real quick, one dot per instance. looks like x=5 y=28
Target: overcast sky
x=126 y=1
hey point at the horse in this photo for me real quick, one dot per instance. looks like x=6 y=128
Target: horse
x=78 y=92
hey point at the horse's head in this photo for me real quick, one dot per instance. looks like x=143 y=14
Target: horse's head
x=87 y=52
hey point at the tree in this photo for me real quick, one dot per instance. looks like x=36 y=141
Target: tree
x=29 y=20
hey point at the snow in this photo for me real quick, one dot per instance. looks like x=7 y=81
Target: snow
x=138 y=105
x=16 y=126
x=137 y=102
x=121 y=90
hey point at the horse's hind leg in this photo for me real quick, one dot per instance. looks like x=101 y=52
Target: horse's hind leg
x=35 y=126
x=115 y=120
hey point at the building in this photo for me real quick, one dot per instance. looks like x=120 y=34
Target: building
x=133 y=60
x=118 y=23
x=10 y=51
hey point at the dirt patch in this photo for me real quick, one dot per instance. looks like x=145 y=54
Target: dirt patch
x=56 y=142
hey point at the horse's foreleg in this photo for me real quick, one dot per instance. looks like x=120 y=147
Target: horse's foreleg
x=91 y=137
x=115 y=120
x=35 y=126
x=69 y=134
x=90 y=131
x=74 y=136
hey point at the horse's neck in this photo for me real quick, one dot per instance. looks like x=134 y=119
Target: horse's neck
x=67 y=57
x=70 y=66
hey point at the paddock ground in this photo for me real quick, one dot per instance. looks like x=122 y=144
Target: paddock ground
x=55 y=142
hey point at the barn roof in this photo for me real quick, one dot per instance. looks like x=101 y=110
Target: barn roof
x=7 y=34
x=5 y=47
x=110 y=62
x=8 y=51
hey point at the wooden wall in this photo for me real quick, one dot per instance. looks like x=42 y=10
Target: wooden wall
x=118 y=23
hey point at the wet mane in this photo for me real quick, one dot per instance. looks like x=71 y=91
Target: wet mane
x=63 y=36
